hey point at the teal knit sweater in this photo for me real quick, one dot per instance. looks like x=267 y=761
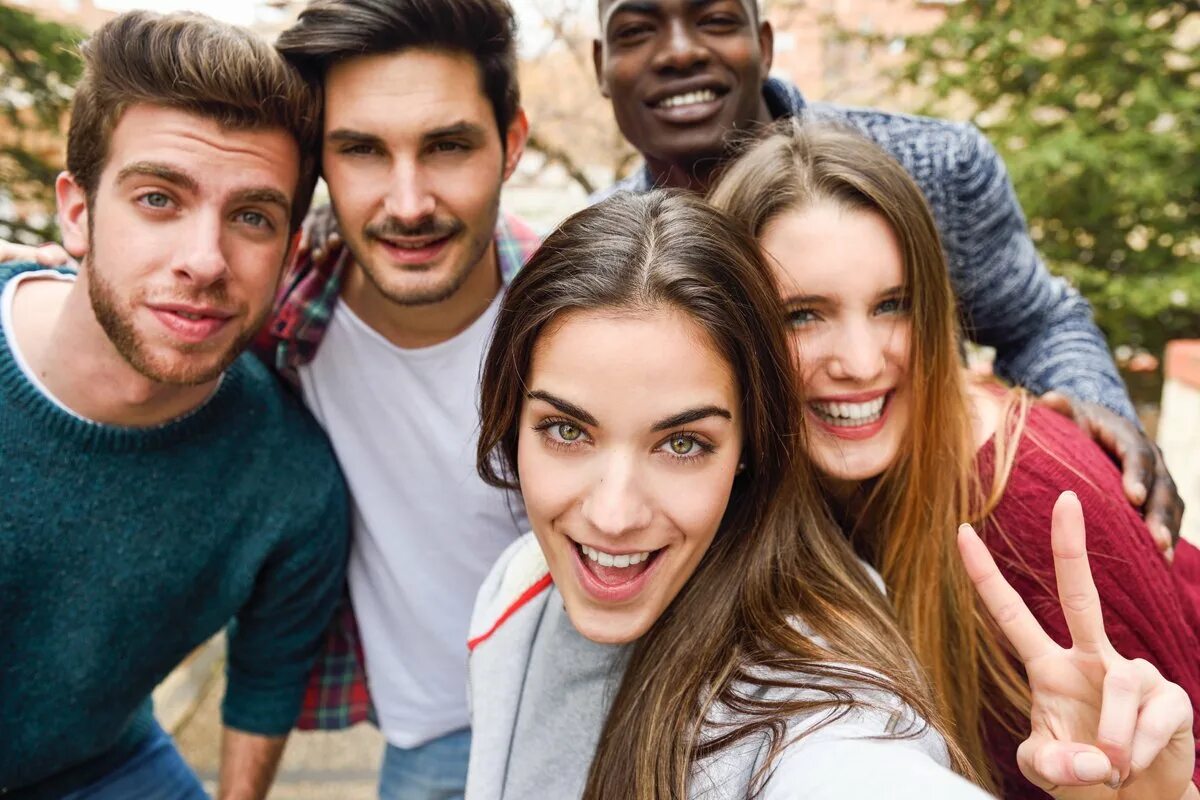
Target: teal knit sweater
x=123 y=549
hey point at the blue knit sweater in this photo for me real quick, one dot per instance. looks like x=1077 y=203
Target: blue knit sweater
x=1042 y=329
x=122 y=549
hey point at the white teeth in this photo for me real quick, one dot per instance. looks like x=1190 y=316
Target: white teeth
x=850 y=414
x=609 y=560
x=691 y=98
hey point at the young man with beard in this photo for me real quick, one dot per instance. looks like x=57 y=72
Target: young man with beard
x=684 y=75
x=383 y=337
x=158 y=485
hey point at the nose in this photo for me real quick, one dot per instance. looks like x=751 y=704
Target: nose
x=682 y=51
x=859 y=356
x=409 y=199
x=204 y=262
x=616 y=504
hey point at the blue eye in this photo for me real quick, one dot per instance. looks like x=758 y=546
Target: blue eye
x=155 y=200
x=895 y=305
x=255 y=219
x=798 y=317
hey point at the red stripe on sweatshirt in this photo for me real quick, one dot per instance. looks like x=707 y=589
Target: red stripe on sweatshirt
x=529 y=594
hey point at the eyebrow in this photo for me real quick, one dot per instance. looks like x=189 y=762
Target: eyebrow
x=569 y=409
x=158 y=170
x=352 y=136
x=692 y=415
x=673 y=421
x=814 y=299
x=460 y=128
x=653 y=7
x=265 y=194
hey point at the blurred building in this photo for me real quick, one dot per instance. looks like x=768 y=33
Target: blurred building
x=840 y=50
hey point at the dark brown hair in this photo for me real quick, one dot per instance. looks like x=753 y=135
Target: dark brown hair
x=195 y=64
x=906 y=525
x=329 y=31
x=776 y=557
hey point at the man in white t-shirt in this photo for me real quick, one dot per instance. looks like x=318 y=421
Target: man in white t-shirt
x=384 y=337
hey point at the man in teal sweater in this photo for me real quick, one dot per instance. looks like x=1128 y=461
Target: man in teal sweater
x=157 y=483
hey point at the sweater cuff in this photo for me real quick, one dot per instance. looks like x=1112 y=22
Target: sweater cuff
x=261 y=711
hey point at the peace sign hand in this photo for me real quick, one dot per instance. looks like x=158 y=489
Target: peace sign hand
x=1102 y=726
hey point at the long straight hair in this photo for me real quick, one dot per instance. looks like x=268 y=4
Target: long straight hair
x=906 y=526
x=776 y=557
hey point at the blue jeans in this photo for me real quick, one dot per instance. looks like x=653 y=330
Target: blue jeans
x=155 y=771
x=436 y=770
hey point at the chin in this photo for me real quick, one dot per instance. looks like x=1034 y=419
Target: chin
x=607 y=627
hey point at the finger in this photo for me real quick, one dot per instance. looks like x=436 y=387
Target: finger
x=1048 y=764
x=10 y=251
x=1001 y=600
x=1164 y=509
x=51 y=255
x=1076 y=590
x=1137 y=459
x=1121 y=700
x=1166 y=714
x=1059 y=403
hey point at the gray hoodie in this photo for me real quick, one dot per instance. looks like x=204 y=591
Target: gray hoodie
x=540 y=693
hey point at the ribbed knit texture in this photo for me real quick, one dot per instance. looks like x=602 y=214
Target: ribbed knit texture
x=123 y=549
x=1151 y=610
x=1042 y=329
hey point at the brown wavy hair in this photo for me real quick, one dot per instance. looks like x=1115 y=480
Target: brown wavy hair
x=196 y=64
x=776 y=558
x=906 y=524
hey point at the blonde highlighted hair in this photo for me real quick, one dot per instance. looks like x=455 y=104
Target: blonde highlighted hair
x=907 y=525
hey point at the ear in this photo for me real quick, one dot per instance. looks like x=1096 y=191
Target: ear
x=598 y=65
x=72 y=214
x=766 y=44
x=514 y=142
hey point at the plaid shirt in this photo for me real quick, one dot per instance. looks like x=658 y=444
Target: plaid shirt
x=337 y=694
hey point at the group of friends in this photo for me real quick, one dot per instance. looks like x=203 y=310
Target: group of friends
x=669 y=505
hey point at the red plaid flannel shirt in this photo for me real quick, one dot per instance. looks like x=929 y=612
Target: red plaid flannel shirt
x=337 y=695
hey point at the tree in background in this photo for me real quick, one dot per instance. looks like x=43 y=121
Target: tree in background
x=1094 y=105
x=38 y=67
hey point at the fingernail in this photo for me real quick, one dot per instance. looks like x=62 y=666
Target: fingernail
x=1139 y=493
x=1092 y=767
x=1114 y=781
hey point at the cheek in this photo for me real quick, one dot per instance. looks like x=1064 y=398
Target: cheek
x=898 y=350
x=548 y=485
x=696 y=504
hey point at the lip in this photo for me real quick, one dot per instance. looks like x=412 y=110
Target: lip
x=415 y=255
x=191 y=331
x=858 y=432
x=612 y=594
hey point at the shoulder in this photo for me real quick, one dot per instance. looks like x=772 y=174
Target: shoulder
x=282 y=445
x=929 y=148
x=516 y=580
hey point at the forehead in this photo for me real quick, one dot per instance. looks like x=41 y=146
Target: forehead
x=631 y=369
x=217 y=157
x=413 y=90
x=829 y=249
x=608 y=8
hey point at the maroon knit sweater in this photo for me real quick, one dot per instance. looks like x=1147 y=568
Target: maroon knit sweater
x=1151 y=610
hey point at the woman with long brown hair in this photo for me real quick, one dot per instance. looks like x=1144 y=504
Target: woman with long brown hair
x=909 y=445
x=639 y=392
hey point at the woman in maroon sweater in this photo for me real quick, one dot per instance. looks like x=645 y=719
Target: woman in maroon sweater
x=910 y=445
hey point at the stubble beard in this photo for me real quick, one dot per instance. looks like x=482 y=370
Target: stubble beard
x=119 y=328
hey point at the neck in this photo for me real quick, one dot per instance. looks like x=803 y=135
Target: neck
x=65 y=346
x=415 y=326
x=697 y=174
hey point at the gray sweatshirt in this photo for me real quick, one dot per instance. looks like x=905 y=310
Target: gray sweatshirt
x=540 y=693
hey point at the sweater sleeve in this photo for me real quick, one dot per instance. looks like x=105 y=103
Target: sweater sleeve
x=277 y=635
x=1150 y=610
x=1042 y=329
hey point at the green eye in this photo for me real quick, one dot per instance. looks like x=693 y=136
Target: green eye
x=682 y=445
x=568 y=432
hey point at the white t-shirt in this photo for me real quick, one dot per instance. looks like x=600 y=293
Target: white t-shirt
x=6 y=314
x=404 y=424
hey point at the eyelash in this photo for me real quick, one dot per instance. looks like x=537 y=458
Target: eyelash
x=793 y=315
x=703 y=448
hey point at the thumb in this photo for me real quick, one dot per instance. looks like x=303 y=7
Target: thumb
x=1050 y=764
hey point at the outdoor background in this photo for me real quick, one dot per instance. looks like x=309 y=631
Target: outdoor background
x=1093 y=103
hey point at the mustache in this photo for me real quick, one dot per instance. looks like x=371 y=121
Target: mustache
x=216 y=297
x=428 y=228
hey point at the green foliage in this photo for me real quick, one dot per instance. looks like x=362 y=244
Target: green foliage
x=1094 y=105
x=39 y=64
